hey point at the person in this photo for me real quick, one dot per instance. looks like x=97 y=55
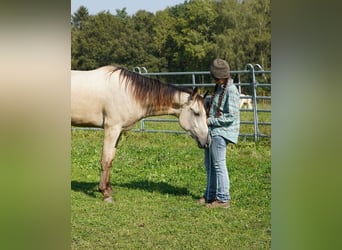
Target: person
x=223 y=125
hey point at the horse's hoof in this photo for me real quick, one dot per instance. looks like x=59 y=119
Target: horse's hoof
x=108 y=199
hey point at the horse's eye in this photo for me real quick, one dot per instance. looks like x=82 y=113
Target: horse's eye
x=196 y=112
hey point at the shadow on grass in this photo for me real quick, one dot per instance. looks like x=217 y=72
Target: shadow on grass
x=90 y=188
x=160 y=187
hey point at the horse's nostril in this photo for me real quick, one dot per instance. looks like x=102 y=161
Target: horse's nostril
x=200 y=145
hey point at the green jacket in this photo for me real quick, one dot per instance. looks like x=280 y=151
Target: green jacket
x=228 y=124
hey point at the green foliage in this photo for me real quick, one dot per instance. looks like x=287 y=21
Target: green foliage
x=157 y=179
x=185 y=37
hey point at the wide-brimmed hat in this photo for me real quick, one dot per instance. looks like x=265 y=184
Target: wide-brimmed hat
x=220 y=69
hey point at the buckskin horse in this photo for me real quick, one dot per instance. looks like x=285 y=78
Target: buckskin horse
x=114 y=98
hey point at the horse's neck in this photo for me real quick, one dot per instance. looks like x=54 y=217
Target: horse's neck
x=175 y=108
x=179 y=101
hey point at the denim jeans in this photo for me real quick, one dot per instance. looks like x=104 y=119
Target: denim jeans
x=216 y=169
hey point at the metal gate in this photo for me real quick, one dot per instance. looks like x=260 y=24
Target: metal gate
x=254 y=85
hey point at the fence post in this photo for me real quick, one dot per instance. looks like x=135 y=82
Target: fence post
x=193 y=81
x=142 y=125
x=254 y=98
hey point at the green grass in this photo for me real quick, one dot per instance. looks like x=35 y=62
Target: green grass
x=157 y=179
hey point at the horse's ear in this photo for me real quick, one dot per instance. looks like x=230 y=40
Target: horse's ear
x=194 y=93
x=205 y=95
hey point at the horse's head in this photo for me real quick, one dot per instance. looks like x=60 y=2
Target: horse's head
x=193 y=119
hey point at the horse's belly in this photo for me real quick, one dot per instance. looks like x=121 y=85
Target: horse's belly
x=84 y=122
x=86 y=115
x=87 y=121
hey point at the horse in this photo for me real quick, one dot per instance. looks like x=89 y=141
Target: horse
x=114 y=98
x=245 y=100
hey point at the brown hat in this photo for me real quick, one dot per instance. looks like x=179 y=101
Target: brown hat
x=220 y=69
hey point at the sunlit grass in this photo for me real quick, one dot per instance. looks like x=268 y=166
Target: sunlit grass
x=156 y=179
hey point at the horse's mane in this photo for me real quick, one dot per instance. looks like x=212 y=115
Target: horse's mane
x=150 y=92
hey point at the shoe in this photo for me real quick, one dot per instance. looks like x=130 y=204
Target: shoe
x=218 y=203
x=202 y=201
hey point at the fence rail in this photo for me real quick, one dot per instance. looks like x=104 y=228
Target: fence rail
x=251 y=72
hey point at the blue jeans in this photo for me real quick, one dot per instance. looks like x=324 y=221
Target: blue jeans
x=216 y=169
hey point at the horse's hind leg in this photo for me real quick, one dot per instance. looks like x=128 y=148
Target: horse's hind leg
x=250 y=106
x=111 y=136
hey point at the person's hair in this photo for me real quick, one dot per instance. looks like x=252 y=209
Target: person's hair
x=218 y=111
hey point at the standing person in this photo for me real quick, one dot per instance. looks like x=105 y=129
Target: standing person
x=224 y=124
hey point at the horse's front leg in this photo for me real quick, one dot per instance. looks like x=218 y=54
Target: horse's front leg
x=111 y=137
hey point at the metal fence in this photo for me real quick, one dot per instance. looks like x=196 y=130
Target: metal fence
x=252 y=79
x=253 y=85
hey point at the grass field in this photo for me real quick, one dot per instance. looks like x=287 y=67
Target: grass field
x=157 y=179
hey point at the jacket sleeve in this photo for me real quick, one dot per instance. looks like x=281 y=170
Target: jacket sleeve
x=231 y=111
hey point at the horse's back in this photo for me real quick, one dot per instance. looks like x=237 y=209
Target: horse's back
x=89 y=90
x=90 y=77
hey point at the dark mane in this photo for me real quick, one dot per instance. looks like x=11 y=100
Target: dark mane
x=151 y=93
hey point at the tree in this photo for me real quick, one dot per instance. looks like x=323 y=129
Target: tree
x=162 y=31
x=193 y=32
x=185 y=37
x=257 y=28
x=81 y=15
x=96 y=42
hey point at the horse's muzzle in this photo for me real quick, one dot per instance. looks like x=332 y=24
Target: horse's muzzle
x=201 y=145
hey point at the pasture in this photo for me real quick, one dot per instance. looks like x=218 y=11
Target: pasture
x=156 y=180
